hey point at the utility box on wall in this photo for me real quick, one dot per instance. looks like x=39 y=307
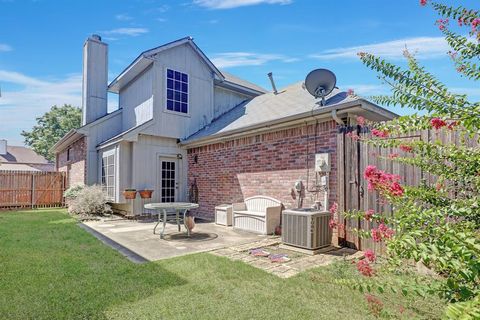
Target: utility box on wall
x=322 y=162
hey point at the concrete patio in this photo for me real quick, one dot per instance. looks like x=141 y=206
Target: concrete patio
x=138 y=237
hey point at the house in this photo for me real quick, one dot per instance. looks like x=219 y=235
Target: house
x=18 y=158
x=185 y=128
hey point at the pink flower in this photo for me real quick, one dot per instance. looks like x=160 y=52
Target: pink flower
x=423 y=2
x=334 y=208
x=332 y=223
x=393 y=155
x=438 y=123
x=369 y=214
x=396 y=189
x=370 y=255
x=365 y=268
x=475 y=22
x=406 y=148
x=353 y=135
x=452 y=125
x=360 y=120
x=380 y=133
x=385 y=231
x=383 y=182
x=350 y=92
x=460 y=21
x=376 y=235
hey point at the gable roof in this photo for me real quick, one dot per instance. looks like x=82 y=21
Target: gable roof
x=292 y=102
x=145 y=59
x=18 y=154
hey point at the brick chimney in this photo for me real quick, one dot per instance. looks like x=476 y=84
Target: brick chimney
x=95 y=78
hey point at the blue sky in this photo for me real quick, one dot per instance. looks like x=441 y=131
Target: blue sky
x=41 y=43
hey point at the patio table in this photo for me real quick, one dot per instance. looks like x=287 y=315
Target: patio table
x=177 y=206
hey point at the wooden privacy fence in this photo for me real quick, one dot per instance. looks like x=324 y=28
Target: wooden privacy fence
x=354 y=156
x=24 y=189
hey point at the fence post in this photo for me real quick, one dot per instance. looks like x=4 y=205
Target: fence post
x=33 y=190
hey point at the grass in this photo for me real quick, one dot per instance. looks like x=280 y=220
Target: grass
x=52 y=269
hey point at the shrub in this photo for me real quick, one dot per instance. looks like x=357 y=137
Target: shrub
x=72 y=192
x=89 y=200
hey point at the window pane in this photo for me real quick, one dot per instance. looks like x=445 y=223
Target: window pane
x=169 y=94
x=170 y=84
x=177 y=106
x=177 y=96
x=178 y=85
x=170 y=73
x=178 y=75
x=185 y=87
x=184 y=108
x=184 y=97
x=170 y=104
x=184 y=77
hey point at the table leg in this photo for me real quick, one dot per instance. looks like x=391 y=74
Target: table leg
x=178 y=219
x=185 y=221
x=164 y=223
x=158 y=222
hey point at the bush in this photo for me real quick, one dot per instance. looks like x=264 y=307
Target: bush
x=72 y=192
x=89 y=200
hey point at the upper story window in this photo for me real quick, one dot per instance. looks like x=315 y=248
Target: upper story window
x=177 y=91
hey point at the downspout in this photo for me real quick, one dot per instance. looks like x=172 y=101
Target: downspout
x=336 y=118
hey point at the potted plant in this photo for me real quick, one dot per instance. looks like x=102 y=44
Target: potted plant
x=130 y=194
x=145 y=194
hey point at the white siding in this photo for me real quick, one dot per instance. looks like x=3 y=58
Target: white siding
x=225 y=100
x=146 y=153
x=136 y=100
x=176 y=125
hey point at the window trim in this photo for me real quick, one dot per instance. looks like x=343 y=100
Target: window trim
x=165 y=108
x=69 y=158
x=103 y=170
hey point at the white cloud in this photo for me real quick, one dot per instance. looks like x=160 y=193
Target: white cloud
x=237 y=59
x=422 y=47
x=5 y=47
x=229 y=4
x=123 y=17
x=132 y=32
x=20 y=107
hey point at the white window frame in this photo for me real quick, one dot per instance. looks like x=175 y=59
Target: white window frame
x=109 y=159
x=165 y=109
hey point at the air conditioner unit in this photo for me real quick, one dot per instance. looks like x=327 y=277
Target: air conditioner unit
x=306 y=228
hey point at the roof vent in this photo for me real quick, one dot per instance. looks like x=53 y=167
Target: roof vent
x=270 y=76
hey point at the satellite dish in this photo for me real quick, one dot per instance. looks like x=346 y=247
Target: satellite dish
x=320 y=83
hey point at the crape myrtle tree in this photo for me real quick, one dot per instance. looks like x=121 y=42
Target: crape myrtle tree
x=52 y=126
x=436 y=224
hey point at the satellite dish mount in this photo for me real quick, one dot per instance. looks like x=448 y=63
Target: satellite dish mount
x=320 y=83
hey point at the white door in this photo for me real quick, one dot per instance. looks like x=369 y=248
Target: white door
x=168 y=179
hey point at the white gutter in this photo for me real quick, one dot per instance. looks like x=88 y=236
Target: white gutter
x=336 y=118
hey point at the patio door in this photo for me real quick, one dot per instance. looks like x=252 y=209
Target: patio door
x=168 y=179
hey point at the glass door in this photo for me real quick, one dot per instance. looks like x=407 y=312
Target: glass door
x=168 y=180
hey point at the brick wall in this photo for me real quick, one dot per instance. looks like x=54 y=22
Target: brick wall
x=265 y=164
x=76 y=166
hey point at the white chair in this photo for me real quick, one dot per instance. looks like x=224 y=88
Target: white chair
x=259 y=214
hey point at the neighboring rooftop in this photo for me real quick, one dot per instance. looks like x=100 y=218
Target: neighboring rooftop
x=17 y=154
x=292 y=101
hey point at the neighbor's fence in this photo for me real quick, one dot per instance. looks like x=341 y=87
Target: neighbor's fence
x=355 y=155
x=24 y=189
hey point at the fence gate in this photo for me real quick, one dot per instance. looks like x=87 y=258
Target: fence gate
x=25 y=189
x=353 y=157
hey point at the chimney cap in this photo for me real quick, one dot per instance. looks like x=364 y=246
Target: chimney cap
x=96 y=37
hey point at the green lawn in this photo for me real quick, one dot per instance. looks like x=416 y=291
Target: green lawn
x=52 y=269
